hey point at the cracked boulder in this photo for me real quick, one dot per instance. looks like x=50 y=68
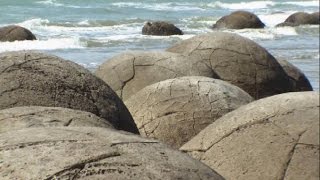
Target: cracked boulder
x=35 y=79
x=301 y=18
x=237 y=60
x=15 y=33
x=272 y=138
x=93 y=153
x=239 y=20
x=37 y=116
x=160 y=28
x=175 y=110
x=129 y=72
x=299 y=80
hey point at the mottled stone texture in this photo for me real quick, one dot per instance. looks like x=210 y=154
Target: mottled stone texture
x=239 y=20
x=237 y=60
x=37 y=116
x=15 y=33
x=175 y=110
x=160 y=28
x=93 y=153
x=36 y=79
x=129 y=72
x=272 y=138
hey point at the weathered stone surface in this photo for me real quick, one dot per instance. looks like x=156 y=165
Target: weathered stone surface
x=237 y=60
x=15 y=33
x=37 y=116
x=36 y=79
x=299 y=80
x=239 y=20
x=300 y=18
x=160 y=28
x=272 y=138
x=175 y=110
x=93 y=153
x=129 y=72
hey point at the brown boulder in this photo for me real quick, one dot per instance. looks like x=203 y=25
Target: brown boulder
x=239 y=20
x=129 y=72
x=160 y=28
x=272 y=138
x=37 y=116
x=15 y=33
x=175 y=110
x=237 y=60
x=300 y=18
x=36 y=79
x=299 y=80
x=93 y=153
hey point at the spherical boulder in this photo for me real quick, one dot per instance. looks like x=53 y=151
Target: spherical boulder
x=160 y=28
x=272 y=138
x=239 y=20
x=129 y=72
x=175 y=110
x=36 y=79
x=316 y=15
x=15 y=33
x=239 y=61
x=38 y=116
x=299 y=80
x=300 y=18
x=93 y=153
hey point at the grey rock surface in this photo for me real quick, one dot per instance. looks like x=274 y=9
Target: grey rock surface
x=37 y=116
x=93 y=153
x=160 y=28
x=271 y=138
x=239 y=20
x=15 y=33
x=299 y=80
x=237 y=60
x=129 y=72
x=175 y=110
x=301 y=18
x=37 y=79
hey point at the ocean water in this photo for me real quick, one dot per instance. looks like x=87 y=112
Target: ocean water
x=90 y=32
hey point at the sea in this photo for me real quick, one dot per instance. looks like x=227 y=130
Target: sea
x=91 y=32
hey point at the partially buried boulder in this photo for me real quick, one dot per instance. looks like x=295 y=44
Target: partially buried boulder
x=160 y=28
x=272 y=138
x=37 y=116
x=239 y=61
x=93 y=153
x=239 y=20
x=301 y=18
x=175 y=110
x=129 y=72
x=36 y=79
x=15 y=33
x=299 y=80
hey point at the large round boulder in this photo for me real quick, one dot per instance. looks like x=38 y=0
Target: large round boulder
x=299 y=80
x=129 y=72
x=301 y=18
x=175 y=110
x=272 y=138
x=36 y=79
x=237 y=60
x=93 y=153
x=38 y=116
x=239 y=20
x=15 y=33
x=160 y=28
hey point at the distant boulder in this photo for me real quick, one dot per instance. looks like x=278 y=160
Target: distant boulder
x=300 y=18
x=15 y=33
x=239 y=20
x=160 y=28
